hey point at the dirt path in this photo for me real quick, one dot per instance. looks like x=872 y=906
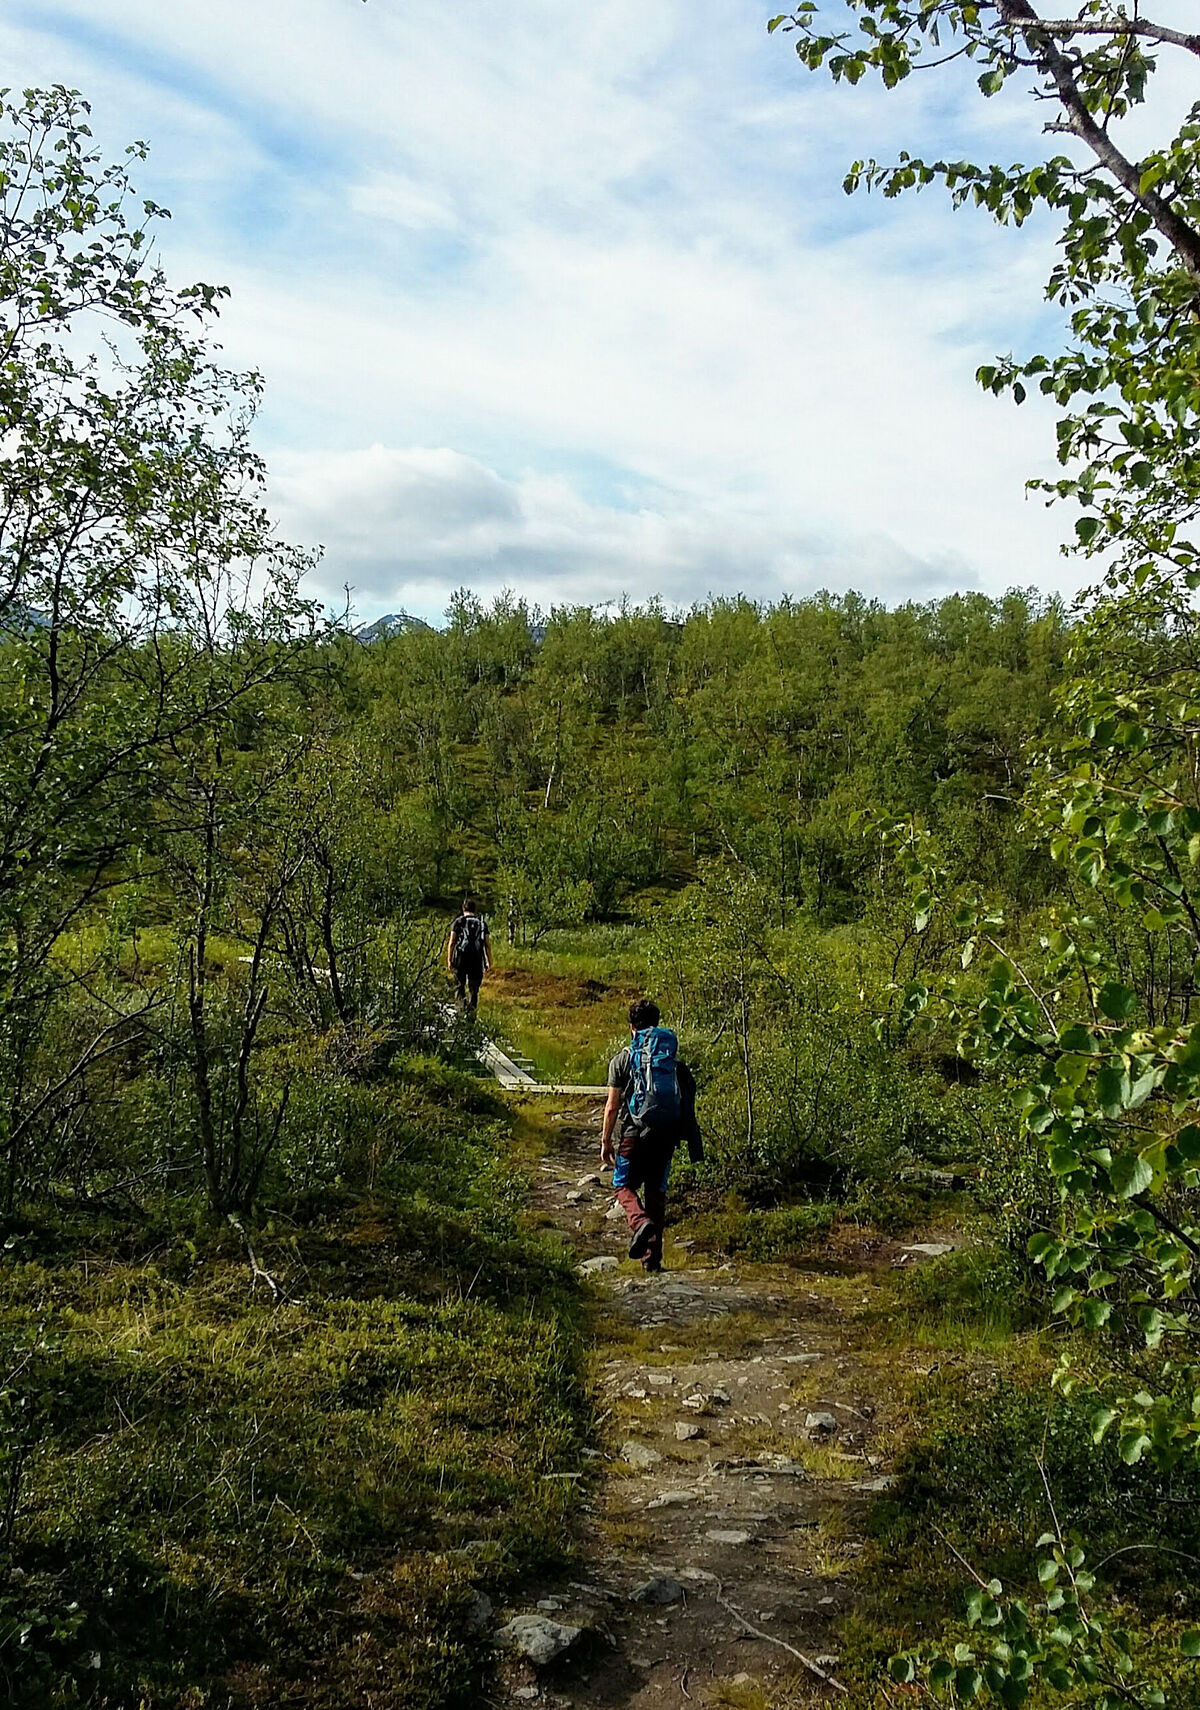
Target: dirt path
x=743 y=1421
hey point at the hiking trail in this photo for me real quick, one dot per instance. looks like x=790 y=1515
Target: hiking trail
x=744 y=1420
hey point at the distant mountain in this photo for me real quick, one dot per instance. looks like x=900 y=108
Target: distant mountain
x=19 y=620
x=395 y=623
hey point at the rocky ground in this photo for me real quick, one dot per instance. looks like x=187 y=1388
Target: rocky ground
x=746 y=1424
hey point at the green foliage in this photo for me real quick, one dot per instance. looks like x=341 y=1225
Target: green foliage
x=800 y=1085
x=1063 y=1642
x=236 y=1454
x=781 y=1232
x=1092 y=1013
x=990 y=1462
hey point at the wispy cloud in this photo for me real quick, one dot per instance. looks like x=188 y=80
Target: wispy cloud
x=570 y=298
x=405 y=526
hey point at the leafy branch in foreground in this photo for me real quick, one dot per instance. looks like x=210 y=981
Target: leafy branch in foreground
x=1062 y=1642
x=1128 y=272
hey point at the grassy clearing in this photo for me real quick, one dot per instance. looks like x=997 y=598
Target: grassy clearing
x=229 y=1500
x=562 y=1002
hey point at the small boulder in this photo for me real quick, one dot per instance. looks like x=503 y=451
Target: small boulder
x=537 y=1638
x=820 y=1424
x=685 y=1433
x=602 y=1262
x=639 y=1455
x=590 y=1181
x=659 y=1590
x=931 y=1249
x=478 y=1616
x=732 y=1537
x=614 y=1214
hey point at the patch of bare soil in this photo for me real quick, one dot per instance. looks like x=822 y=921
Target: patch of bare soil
x=545 y=990
x=743 y=1444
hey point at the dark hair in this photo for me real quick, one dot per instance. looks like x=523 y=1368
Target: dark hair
x=643 y=1012
x=470 y=906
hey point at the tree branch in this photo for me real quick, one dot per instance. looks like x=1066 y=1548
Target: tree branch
x=1182 y=237
x=1065 y=28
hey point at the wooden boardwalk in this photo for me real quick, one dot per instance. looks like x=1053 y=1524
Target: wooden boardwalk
x=513 y=1078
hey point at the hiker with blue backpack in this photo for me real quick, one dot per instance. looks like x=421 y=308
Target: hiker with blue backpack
x=651 y=1108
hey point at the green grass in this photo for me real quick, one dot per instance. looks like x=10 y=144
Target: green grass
x=232 y=1500
x=779 y=1233
x=987 y=1458
x=604 y=951
x=562 y=1003
x=974 y=1298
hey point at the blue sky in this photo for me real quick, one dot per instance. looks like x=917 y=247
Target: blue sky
x=569 y=299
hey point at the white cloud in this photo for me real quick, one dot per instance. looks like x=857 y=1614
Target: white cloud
x=598 y=259
x=401 y=528
x=395 y=197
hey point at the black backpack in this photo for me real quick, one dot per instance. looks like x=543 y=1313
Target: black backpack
x=469 y=933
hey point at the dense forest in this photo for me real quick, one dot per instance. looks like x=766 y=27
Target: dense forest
x=287 y=1374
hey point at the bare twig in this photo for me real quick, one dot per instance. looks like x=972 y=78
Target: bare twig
x=961 y=1559
x=757 y=1633
x=256 y=1270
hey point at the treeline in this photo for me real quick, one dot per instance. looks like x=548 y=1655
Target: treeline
x=565 y=766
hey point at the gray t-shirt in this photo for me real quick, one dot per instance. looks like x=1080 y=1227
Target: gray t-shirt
x=620 y=1074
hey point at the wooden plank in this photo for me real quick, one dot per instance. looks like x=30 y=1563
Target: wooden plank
x=503 y=1067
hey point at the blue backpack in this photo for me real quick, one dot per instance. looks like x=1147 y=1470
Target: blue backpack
x=654 y=1102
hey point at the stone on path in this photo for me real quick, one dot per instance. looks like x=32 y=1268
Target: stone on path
x=820 y=1424
x=602 y=1262
x=639 y=1455
x=537 y=1638
x=674 y=1498
x=876 y=1486
x=685 y=1433
x=590 y=1181
x=614 y=1213
x=574 y=1197
x=704 y=1400
x=732 y=1537
x=931 y=1249
x=661 y=1590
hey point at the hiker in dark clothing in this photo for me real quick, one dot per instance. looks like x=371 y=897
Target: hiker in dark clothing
x=468 y=954
x=651 y=1107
